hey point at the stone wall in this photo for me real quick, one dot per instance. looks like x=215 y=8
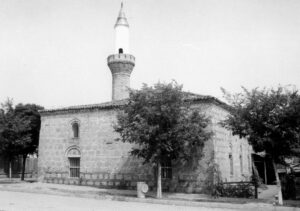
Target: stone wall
x=121 y=66
x=102 y=158
x=105 y=162
x=225 y=144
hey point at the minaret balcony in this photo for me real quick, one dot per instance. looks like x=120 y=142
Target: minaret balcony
x=120 y=58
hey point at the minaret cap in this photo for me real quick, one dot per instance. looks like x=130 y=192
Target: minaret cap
x=121 y=20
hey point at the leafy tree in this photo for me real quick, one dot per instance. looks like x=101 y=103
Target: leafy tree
x=159 y=122
x=29 y=113
x=270 y=119
x=19 y=131
x=10 y=130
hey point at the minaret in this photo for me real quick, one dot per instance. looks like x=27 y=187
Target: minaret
x=121 y=63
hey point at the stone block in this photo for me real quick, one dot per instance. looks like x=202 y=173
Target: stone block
x=104 y=183
x=119 y=176
x=127 y=177
x=142 y=177
x=135 y=177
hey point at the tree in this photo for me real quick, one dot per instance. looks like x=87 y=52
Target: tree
x=10 y=130
x=159 y=122
x=270 y=119
x=19 y=131
x=29 y=114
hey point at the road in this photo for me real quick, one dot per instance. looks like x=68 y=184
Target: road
x=17 y=201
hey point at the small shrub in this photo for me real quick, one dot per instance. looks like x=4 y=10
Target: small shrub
x=236 y=190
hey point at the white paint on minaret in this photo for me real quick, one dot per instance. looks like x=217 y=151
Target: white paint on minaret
x=122 y=33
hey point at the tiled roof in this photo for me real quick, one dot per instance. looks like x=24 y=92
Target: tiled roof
x=105 y=105
x=191 y=97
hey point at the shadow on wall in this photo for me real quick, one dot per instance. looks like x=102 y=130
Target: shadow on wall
x=16 y=166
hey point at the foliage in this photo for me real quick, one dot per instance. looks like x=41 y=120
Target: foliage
x=160 y=124
x=289 y=186
x=238 y=190
x=19 y=129
x=213 y=176
x=269 y=118
x=158 y=120
x=12 y=131
x=29 y=113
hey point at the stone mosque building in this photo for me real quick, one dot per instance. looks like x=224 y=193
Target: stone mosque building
x=77 y=144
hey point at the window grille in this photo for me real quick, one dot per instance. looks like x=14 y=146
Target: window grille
x=74 y=167
x=166 y=170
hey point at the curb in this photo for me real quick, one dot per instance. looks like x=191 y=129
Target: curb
x=177 y=202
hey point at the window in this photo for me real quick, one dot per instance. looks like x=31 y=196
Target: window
x=241 y=163
x=241 y=159
x=73 y=154
x=74 y=167
x=231 y=164
x=120 y=50
x=249 y=164
x=75 y=128
x=166 y=170
x=231 y=159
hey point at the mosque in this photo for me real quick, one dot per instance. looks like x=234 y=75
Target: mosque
x=77 y=143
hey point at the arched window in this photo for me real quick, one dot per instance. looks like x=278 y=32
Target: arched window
x=231 y=164
x=120 y=50
x=73 y=155
x=241 y=159
x=249 y=163
x=231 y=159
x=75 y=128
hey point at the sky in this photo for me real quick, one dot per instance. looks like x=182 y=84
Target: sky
x=53 y=52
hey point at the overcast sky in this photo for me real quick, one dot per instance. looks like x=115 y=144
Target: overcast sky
x=53 y=52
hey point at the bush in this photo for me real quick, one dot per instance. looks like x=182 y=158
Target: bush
x=288 y=186
x=236 y=190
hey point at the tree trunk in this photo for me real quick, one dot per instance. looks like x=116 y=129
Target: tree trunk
x=256 y=174
x=159 y=194
x=10 y=169
x=280 y=202
x=23 y=167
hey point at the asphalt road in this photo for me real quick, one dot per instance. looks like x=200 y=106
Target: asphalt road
x=15 y=201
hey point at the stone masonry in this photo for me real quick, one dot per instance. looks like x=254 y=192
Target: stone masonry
x=105 y=162
x=121 y=66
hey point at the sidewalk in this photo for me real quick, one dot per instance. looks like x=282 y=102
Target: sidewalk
x=130 y=196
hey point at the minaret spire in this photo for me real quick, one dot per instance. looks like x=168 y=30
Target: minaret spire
x=121 y=20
